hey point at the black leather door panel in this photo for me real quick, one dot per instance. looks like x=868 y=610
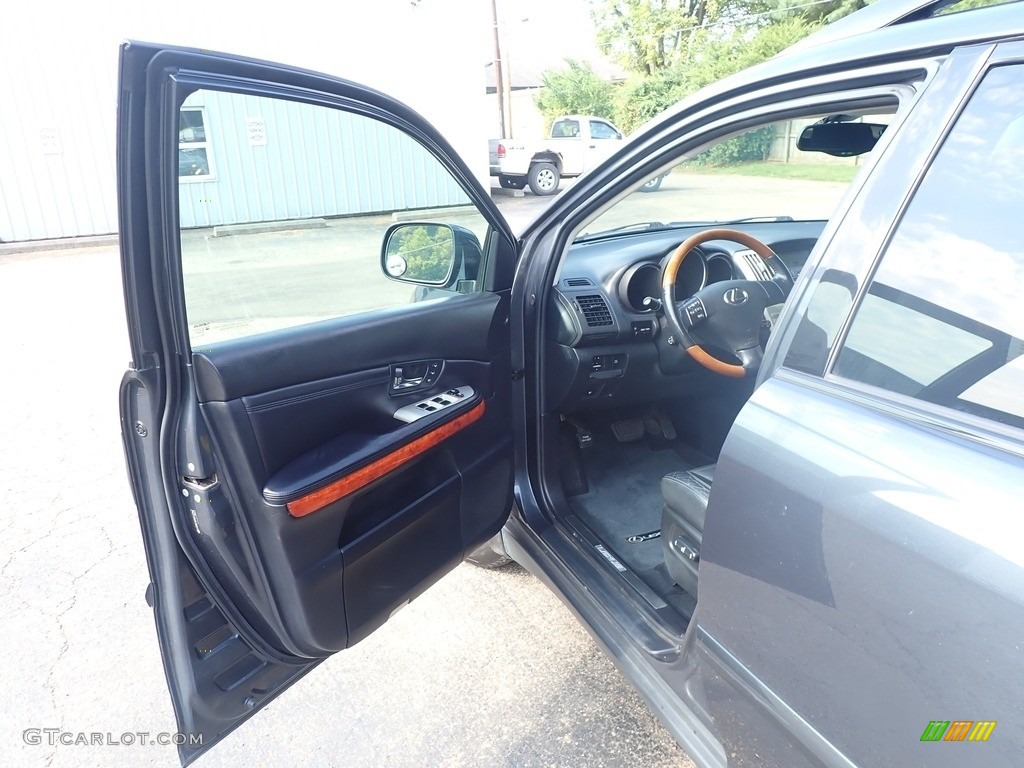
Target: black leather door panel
x=324 y=402
x=266 y=362
x=295 y=420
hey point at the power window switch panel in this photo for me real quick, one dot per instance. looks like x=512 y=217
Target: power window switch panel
x=429 y=405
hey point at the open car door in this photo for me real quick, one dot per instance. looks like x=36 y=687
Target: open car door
x=316 y=418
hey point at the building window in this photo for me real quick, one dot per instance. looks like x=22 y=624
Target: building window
x=195 y=161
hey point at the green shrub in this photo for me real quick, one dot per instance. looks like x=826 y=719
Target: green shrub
x=750 y=147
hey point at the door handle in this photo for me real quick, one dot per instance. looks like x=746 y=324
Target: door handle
x=414 y=375
x=399 y=380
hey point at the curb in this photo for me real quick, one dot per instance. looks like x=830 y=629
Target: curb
x=259 y=227
x=432 y=213
x=59 y=244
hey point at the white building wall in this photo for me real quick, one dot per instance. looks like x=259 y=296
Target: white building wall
x=57 y=163
x=58 y=92
x=312 y=161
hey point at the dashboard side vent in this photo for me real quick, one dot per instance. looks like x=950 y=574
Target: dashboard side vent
x=577 y=282
x=758 y=266
x=595 y=310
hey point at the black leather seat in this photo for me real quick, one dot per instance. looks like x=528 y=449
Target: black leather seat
x=682 y=522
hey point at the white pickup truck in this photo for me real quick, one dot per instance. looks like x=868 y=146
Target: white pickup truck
x=577 y=143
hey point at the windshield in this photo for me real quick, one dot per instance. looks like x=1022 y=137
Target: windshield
x=757 y=175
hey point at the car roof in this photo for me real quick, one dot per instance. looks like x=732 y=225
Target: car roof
x=878 y=15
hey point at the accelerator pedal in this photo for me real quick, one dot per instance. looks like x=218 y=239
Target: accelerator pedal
x=668 y=429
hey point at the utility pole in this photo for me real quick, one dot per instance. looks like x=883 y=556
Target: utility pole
x=499 y=65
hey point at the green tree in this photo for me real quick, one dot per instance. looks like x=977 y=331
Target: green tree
x=575 y=90
x=822 y=12
x=648 y=35
x=428 y=250
x=712 y=56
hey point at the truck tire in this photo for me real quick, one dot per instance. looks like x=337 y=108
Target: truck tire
x=653 y=185
x=511 y=182
x=543 y=178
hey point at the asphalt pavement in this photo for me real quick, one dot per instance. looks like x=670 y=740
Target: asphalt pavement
x=486 y=668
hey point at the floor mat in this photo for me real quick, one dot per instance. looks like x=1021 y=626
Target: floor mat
x=624 y=499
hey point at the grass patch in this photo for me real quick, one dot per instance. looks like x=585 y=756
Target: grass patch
x=805 y=171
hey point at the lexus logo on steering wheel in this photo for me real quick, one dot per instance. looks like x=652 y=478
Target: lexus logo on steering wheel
x=735 y=296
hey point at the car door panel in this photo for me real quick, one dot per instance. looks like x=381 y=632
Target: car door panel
x=288 y=444
x=909 y=581
x=287 y=511
x=255 y=365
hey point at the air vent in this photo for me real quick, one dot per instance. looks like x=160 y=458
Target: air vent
x=758 y=266
x=577 y=282
x=595 y=310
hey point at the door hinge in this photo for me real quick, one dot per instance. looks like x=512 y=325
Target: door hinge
x=517 y=374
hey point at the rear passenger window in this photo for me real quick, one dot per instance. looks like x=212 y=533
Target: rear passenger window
x=942 y=319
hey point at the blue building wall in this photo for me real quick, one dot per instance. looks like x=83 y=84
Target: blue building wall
x=315 y=162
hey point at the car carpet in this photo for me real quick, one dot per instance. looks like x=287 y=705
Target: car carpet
x=624 y=498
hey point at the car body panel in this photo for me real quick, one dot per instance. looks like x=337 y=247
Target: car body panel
x=856 y=548
x=870 y=571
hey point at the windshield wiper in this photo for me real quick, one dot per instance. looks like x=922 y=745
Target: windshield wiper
x=641 y=226
x=756 y=219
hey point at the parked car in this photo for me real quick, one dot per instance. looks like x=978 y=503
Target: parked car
x=576 y=143
x=770 y=454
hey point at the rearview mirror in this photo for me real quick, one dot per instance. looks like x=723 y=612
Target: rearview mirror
x=419 y=253
x=840 y=139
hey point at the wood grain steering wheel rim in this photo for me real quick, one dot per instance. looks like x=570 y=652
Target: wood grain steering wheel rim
x=668 y=285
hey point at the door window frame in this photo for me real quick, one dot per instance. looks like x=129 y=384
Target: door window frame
x=904 y=153
x=966 y=69
x=181 y=73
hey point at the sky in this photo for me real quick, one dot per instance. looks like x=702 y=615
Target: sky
x=369 y=37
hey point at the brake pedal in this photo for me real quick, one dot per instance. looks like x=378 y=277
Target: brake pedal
x=628 y=430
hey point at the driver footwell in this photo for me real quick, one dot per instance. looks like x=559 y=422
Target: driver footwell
x=622 y=505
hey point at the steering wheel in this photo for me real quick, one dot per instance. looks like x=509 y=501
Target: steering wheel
x=726 y=315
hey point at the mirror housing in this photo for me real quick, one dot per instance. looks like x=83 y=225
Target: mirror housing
x=418 y=252
x=840 y=139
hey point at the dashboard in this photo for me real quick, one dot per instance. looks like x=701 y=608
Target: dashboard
x=606 y=339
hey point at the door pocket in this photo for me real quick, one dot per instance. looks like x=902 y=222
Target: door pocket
x=387 y=565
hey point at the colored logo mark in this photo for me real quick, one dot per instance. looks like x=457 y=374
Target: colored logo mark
x=958 y=730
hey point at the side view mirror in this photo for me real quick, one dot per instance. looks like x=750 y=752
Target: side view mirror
x=419 y=253
x=840 y=139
